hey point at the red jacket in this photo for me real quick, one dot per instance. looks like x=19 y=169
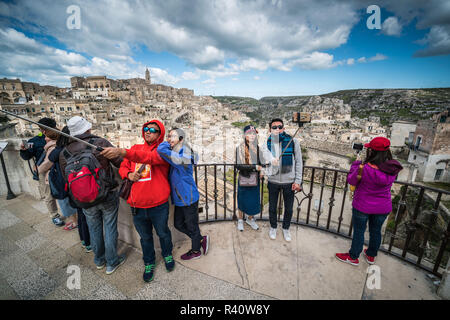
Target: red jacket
x=153 y=188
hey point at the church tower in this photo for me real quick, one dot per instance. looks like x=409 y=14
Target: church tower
x=147 y=76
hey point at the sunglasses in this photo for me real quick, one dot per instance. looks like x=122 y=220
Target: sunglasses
x=277 y=127
x=152 y=130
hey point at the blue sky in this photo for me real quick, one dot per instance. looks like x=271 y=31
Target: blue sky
x=242 y=48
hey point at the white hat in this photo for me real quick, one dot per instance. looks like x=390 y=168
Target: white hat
x=78 y=125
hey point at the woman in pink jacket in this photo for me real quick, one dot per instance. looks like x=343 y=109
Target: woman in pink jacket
x=372 y=198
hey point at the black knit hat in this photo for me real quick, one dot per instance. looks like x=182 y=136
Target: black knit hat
x=49 y=122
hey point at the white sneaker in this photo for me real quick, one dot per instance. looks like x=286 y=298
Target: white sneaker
x=240 y=225
x=252 y=223
x=287 y=235
x=273 y=233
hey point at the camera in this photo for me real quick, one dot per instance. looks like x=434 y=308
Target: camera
x=301 y=117
x=357 y=146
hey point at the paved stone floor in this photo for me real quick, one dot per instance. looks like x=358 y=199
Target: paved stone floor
x=35 y=255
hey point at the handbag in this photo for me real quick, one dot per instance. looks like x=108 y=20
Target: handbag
x=252 y=179
x=125 y=188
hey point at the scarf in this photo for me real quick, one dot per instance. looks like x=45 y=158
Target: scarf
x=286 y=161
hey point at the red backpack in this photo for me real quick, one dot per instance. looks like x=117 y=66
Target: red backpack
x=87 y=183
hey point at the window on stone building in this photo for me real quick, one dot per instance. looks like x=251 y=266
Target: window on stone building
x=42 y=109
x=442 y=119
x=418 y=142
x=438 y=174
x=69 y=108
x=61 y=108
x=33 y=109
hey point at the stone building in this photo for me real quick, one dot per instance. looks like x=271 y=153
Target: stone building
x=430 y=148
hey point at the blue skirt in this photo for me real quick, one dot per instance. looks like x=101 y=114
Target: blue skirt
x=249 y=200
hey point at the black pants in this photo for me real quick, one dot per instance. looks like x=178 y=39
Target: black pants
x=186 y=221
x=288 y=196
x=83 y=229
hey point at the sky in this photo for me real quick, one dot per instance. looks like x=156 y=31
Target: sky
x=236 y=48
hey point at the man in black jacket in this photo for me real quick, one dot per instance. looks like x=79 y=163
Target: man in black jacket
x=35 y=150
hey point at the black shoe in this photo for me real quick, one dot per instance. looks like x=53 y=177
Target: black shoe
x=149 y=272
x=170 y=263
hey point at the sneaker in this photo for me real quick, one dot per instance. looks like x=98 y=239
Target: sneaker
x=100 y=267
x=170 y=263
x=369 y=259
x=252 y=223
x=345 y=257
x=57 y=221
x=88 y=249
x=83 y=244
x=287 y=235
x=191 y=255
x=273 y=233
x=205 y=244
x=240 y=225
x=110 y=270
x=149 y=272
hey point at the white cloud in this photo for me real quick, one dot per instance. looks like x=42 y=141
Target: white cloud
x=362 y=60
x=378 y=57
x=438 y=41
x=187 y=75
x=350 y=61
x=209 y=81
x=28 y=59
x=391 y=27
x=256 y=78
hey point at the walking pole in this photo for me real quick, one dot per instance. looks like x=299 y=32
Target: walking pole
x=55 y=130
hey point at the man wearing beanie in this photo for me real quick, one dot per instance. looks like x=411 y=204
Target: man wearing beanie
x=103 y=216
x=35 y=150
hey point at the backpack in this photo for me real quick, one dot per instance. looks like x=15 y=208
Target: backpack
x=57 y=182
x=87 y=182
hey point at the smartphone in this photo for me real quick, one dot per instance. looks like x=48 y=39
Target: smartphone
x=25 y=144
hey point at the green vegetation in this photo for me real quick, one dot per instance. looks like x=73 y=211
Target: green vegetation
x=439 y=185
x=242 y=124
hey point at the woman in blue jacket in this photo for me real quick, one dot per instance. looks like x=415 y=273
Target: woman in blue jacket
x=184 y=191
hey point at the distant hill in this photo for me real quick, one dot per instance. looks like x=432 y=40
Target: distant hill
x=388 y=104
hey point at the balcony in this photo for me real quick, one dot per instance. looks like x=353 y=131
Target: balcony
x=248 y=265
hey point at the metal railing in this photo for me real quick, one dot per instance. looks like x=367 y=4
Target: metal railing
x=417 y=230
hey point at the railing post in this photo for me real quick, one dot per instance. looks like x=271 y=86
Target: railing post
x=10 y=195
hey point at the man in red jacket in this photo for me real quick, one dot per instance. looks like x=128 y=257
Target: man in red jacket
x=149 y=193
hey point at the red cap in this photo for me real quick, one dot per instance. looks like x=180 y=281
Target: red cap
x=379 y=144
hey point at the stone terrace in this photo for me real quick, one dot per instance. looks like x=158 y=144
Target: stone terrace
x=34 y=255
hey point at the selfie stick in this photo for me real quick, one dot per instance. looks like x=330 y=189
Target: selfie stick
x=55 y=130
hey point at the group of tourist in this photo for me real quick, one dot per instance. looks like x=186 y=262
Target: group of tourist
x=78 y=176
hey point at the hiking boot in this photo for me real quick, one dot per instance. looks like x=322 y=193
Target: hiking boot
x=205 y=244
x=252 y=223
x=287 y=235
x=170 y=263
x=110 y=270
x=273 y=233
x=191 y=255
x=149 y=272
x=240 y=225
x=369 y=259
x=345 y=257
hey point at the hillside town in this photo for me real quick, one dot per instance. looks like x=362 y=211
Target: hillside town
x=118 y=108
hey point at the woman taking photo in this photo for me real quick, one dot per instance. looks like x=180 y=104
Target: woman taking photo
x=248 y=162
x=372 y=202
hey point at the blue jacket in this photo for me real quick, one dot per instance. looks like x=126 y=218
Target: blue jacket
x=37 y=149
x=184 y=191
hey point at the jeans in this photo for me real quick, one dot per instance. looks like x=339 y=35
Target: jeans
x=288 y=196
x=144 y=221
x=99 y=217
x=83 y=229
x=186 y=221
x=359 y=227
